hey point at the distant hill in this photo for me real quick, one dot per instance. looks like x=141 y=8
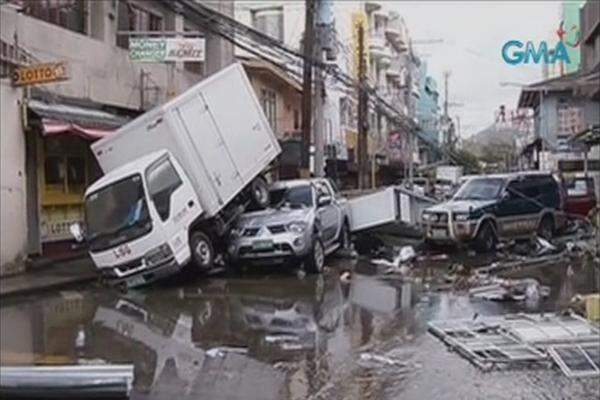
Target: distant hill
x=494 y=136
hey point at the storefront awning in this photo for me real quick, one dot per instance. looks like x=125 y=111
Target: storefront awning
x=61 y=119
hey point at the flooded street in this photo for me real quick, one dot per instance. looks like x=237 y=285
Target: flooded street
x=278 y=336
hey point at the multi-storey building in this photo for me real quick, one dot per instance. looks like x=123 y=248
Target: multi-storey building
x=47 y=128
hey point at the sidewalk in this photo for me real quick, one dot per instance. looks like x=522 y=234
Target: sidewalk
x=51 y=277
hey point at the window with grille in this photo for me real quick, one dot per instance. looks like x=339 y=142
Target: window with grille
x=268 y=100
x=135 y=18
x=69 y=14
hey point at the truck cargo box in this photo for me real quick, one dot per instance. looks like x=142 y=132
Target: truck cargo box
x=216 y=130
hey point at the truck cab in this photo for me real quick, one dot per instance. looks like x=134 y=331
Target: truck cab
x=137 y=220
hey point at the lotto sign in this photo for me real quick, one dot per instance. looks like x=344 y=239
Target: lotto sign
x=40 y=73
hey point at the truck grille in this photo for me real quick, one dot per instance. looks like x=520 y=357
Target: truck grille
x=440 y=217
x=129 y=265
x=276 y=228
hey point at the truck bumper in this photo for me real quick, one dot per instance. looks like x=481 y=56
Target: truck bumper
x=452 y=233
x=144 y=276
x=284 y=247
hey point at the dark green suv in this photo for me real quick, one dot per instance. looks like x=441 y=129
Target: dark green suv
x=488 y=208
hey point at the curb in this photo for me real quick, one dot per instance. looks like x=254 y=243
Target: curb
x=59 y=284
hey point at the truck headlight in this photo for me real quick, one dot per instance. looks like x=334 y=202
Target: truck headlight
x=297 y=226
x=158 y=254
x=236 y=232
x=461 y=217
x=427 y=217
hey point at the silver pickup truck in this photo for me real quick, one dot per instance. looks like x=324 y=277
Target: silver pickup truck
x=307 y=220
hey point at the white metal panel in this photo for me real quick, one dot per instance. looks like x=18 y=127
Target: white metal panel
x=239 y=117
x=208 y=143
x=373 y=209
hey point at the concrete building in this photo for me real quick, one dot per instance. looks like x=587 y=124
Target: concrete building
x=568 y=105
x=46 y=129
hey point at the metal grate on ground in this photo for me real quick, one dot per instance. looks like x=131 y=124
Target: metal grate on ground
x=490 y=342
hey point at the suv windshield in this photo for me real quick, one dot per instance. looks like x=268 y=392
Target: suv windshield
x=116 y=214
x=480 y=189
x=298 y=196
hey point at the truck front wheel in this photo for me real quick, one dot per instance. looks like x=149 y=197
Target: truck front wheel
x=203 y=253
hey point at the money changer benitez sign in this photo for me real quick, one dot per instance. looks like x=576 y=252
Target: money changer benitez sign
x=166 y=49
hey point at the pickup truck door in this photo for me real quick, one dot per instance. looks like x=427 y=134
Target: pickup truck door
x=329 y=214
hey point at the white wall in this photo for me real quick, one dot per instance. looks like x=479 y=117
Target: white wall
x=13 y=221
x=98 y=70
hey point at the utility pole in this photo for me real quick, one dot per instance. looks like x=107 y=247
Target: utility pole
x=362 y=112
x=319 y=132
x=308 y=43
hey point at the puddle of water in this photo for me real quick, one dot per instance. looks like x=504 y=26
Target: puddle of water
x=271 y=337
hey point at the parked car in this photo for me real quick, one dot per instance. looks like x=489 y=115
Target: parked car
x=488 y=208
x=307 y=220
x=580 y=196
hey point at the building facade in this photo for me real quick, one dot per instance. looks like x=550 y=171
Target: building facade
x=47 y=129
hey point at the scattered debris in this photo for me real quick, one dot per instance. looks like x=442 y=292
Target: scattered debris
x=407 y=253
x=345 y=277
x=220 y=351
x=545 y=247
x=490 y=342
x=510 y=290
x=367 y=359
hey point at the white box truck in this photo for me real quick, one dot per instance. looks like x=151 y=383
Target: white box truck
x=175 y=177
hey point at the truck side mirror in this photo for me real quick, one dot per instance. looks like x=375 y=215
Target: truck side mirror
x=77 y=232
x=324 y=201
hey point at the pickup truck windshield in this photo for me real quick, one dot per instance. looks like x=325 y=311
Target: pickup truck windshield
x=298 y=196
x=116 y=214
x=480 y=189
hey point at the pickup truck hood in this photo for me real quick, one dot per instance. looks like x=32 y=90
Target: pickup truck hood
x=461 y=206
x=273 y=216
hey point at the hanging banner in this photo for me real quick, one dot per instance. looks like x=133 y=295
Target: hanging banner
x=166 y=49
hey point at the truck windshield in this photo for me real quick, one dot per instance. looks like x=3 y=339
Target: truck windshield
x=298 y=196
x=116 y=214
x=480 y=189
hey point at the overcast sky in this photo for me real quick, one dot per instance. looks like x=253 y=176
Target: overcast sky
x=473 y=34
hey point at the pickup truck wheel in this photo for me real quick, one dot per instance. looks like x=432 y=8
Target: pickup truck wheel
x=344 y=237
x=315 y=261
x=485 y=241
x=259 y=190
x=203 y=253
x=546 y=228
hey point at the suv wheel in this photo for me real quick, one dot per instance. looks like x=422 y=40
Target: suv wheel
x=315 y=261
x=546 y=228
x=203 y=253
x=485 y=241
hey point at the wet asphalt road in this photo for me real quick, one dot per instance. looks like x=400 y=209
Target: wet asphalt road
x=273 y=335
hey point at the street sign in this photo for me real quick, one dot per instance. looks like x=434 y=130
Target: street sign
x=166 y=49
x=40 y=73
